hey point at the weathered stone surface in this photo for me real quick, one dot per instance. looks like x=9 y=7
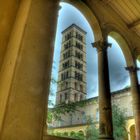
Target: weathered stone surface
x=25 y=110
x=26 y=54
x=105 y=117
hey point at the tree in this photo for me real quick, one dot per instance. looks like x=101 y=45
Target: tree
x=119 y=123
x=55 y=113
x=92 y=132
x=51 y=92
x=77 y=135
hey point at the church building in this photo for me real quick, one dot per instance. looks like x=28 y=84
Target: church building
x=27 y=38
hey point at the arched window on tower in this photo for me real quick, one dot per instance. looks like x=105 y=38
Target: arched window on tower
x=81 y=88
x=66 y=96
x=60 y=98
x=66 y=84
x=75 y=97
x=75 y=85
x=67 y=74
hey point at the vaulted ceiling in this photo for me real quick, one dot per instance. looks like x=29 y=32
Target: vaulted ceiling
x=128 y=10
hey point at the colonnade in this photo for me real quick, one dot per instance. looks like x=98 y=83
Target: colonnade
x=26 y=70
x=24 y=106
x=105 y=111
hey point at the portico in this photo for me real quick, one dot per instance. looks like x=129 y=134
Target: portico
x=27 y=33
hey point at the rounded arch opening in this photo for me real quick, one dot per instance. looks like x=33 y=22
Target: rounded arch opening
x=63 y=23
x=81 y=132
x=119 y=77
x=124 y=47
x=90 y=33
x=89 y=15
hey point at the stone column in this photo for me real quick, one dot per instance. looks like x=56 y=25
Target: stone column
x=10 y=59
x=30 y=54
x=135 y=98
x=105 y=110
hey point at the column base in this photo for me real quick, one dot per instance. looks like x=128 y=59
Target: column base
x=105 y=138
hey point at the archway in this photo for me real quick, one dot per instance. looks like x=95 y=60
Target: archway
x=132 y=68
x=39 y=65
x=121 y=81
x=90 y=59
x=119 y=77
x=124 y=46
x=91 y=18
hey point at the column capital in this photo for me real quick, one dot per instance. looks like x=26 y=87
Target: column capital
x=132 y=68
x=101 y=45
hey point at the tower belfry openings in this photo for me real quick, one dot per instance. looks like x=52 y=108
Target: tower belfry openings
x=72 y=66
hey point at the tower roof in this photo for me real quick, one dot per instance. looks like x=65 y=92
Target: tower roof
x=74 y=25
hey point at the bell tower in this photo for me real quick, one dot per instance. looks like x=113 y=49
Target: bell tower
x=72 y=66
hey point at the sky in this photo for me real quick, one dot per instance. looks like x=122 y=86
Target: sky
x=119 y=77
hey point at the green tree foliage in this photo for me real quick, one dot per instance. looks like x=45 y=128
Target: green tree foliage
x=119 y=123
x=50 y=117
x=92 y=132
x=64 y=108
x=77 y=135
x=74 y=135
x=51 y=92
x=50 y=102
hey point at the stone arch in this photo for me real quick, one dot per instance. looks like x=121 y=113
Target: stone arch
x=124 y=46
x=72 y=133
x=117 y=33
x=89 y=15
x=81 y=132
x=129 y=124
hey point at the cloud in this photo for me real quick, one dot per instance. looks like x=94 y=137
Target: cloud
x=119 y=77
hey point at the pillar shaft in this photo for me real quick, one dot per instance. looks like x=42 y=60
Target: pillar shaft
x=8 y=67
x=105 y=117
x=29 y=66
x=135 y=98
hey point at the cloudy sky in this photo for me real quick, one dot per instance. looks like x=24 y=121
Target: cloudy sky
x=119 y=77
